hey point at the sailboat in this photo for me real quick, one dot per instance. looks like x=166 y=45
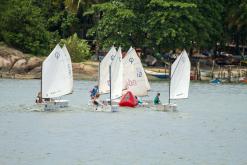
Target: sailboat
x=158 y=74
x=57 y=78
x=134 y=76
x=179 y=80
x=110 y=76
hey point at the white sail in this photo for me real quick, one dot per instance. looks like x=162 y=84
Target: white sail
x=134 y=77
x=117 y=75
x=180 y=77
x=56 y=77
x=104 y=83
x=69 y=66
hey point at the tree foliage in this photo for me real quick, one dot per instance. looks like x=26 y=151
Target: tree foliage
x=115 y=27
x=35 y=26
x=78 y=48
x=24 y=28
x=158 y=24
x=236 y=23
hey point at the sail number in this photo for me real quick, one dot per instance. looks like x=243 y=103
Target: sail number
x=138 y=72
x=57 y=55
x=131 y=82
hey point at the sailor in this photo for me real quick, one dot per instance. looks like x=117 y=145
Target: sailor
x=94 y=91
x=96 y=99
x=97 y=102
x=139 y=101
x=157 y=99
x=39 y=98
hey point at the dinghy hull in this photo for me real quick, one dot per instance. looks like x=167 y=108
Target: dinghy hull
x=166 y=107
x=55 y=105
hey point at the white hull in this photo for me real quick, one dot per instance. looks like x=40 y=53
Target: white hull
x=113 y=102
x=166 y=107
x=114 y=108
x=103 y=107
x=54 y=105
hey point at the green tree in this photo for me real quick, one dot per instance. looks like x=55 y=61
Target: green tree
x=171 y=24
x=154 y=23
x=78 y=48
x=78 y=8
x=115 y=26
x=236 y=23
x=212 y=21
x=4 y=5
x=159 y=24
x=23 y=27
x=59 y=20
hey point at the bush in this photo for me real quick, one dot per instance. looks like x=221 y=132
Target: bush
x=24 y=27
x=78 y=48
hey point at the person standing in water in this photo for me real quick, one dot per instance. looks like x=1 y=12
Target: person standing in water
x=157 y=99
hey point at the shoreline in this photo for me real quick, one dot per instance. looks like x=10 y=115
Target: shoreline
x=90 y=78
x=16 y=65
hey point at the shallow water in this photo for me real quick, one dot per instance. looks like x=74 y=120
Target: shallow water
x=209 y=128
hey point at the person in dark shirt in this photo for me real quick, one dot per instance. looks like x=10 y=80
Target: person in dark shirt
x=39 y=98
x=157 y=99
x=94 y=91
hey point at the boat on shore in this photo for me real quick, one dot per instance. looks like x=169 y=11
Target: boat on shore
x=157 y=74
x=215 y=81
x=243 y=80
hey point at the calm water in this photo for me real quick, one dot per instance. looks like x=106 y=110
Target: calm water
x=209 y=128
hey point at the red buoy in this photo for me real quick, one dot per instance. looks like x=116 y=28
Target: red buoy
x=128 y=100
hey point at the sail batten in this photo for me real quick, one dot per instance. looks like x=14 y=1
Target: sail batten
x=57 y=78
x=180 y=77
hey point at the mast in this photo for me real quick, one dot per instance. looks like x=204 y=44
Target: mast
x=169 y=100
x=41 y=81
x=99 y=74
x=110 y=81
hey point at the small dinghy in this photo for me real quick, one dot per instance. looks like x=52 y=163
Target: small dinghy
x=243 y=80
x=111 y=79
x=179 y=82
x=215 y=81
x=158 y=74
x=56 y=80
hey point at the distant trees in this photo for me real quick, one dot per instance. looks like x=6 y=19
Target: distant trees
x=116 y=25
x=35 y=26
x=236 y=23
x=159 y=24
x=24 y=27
